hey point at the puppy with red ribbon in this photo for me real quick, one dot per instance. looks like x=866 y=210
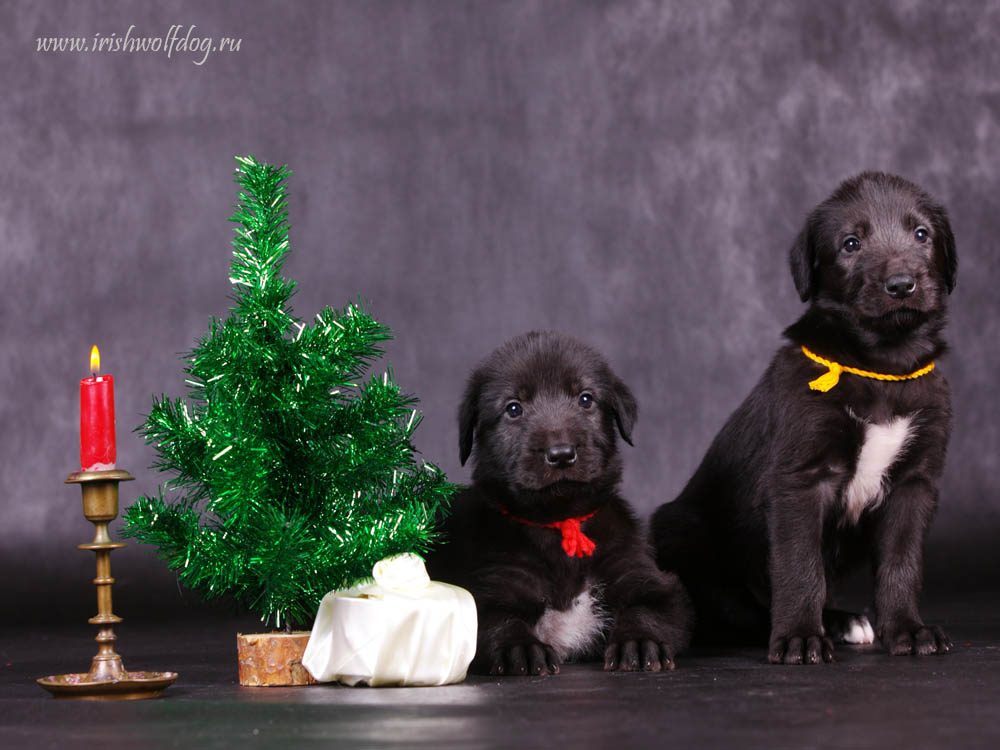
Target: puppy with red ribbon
x=551 y=552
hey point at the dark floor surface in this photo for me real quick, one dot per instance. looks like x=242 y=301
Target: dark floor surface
x=730 y=698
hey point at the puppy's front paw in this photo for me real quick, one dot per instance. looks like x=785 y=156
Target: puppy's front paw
x=804 y=648
x=632 y=656
x=914 y=638
x=523 y=659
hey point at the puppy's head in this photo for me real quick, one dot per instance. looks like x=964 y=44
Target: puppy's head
x=543 y=411
x=880 y=250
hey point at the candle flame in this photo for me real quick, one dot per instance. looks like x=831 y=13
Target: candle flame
x=95 y=361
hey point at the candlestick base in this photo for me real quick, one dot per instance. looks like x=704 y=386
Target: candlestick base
x=131 y=686
x=107 y=678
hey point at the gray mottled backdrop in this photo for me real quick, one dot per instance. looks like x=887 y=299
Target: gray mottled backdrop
x=629 y=172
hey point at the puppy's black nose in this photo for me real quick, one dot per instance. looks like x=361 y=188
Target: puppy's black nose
x=900 y=285
x=561 y=455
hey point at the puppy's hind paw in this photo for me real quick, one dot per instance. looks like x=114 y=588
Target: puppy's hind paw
x=521 y=660
x=633 y=656
x=796 y=649
x=918 y=640
x=848 y=627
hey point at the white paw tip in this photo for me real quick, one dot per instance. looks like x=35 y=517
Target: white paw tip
x=860 y=631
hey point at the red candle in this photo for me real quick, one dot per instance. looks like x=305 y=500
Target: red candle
x=97 y=418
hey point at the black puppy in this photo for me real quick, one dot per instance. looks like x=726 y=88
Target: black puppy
x=551 y=553
x=824 y=466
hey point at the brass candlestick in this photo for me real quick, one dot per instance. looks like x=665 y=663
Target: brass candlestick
x=107 y=678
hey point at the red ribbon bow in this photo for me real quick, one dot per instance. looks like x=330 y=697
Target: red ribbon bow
x=574 y=542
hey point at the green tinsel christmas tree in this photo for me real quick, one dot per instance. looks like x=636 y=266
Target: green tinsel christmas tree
x=293 y=475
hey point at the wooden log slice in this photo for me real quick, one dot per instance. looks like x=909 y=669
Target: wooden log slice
x=272 y=659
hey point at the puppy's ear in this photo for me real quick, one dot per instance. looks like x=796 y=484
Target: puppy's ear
x=804 y=260
x=468 y=414
x=944 y=239
x=625 y=408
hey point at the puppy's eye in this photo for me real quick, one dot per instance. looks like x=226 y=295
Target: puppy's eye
x=586 y=400
x=514 y=409
x=851 y=244
x=922 y=235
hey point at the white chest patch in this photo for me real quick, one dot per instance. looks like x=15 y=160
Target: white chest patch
x=883 y=445
x=576 y=630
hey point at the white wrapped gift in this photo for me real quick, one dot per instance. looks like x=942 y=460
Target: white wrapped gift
x=403 y=629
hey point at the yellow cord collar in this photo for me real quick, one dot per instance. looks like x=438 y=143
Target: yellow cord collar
x=829 y=379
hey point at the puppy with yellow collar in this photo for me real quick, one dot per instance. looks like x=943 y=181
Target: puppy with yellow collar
x=833 y=459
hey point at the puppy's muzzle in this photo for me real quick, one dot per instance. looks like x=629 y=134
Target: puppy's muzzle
x=900 y=286
x=561 y=455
